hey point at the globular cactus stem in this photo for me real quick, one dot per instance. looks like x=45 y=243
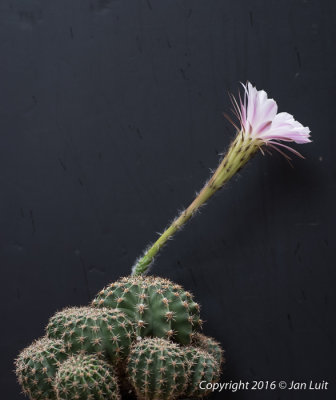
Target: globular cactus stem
x=100 y=331
x=86 y=377
x=156 y=306
x=36 y=368
x=157 y=369
x=203 y=368
x=209 y=345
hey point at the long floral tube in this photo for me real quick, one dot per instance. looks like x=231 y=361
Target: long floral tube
x=260 y=127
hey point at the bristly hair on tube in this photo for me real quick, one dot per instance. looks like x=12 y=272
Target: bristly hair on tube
x=260 y=127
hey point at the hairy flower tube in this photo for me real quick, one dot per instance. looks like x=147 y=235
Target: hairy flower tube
x=259 y=127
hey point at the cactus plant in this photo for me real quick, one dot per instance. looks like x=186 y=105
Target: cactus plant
x=36 y=367
x=203 y=367
x=86 y=377
x=101 y=331
x=158 y=307
x=157 y=369
x=209 y=345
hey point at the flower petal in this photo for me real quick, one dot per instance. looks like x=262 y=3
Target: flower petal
x=260 y=119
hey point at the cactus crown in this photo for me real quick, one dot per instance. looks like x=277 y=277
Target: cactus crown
x=36 y=367
x=101 y=331
x=158 y=307
x=157 y=369
x=86 y=377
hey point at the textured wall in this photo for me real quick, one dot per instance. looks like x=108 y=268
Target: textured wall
x=111 y=116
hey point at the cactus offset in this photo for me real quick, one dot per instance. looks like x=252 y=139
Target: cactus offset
x=36 y=367
x=157 y=369
x=86 y=377
x=202 y=367
x=158 y=307
x=101 y=331
x=209 y=345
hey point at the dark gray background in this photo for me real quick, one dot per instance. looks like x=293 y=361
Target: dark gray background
x=111 y=116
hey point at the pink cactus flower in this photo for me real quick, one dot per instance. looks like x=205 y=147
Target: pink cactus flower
x=259 y=119
x=261 y=128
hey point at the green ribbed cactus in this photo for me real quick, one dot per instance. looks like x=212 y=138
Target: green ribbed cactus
x=158 y=307
x=203 y=367
x=36 y=367
x=100 y=331
x=157 y=369
x=209 y=345
x=86 y=377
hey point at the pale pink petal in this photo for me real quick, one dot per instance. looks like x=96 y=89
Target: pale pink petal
x=263 y=127
x=269 y=110
x=252 y=103
x=260 y=119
